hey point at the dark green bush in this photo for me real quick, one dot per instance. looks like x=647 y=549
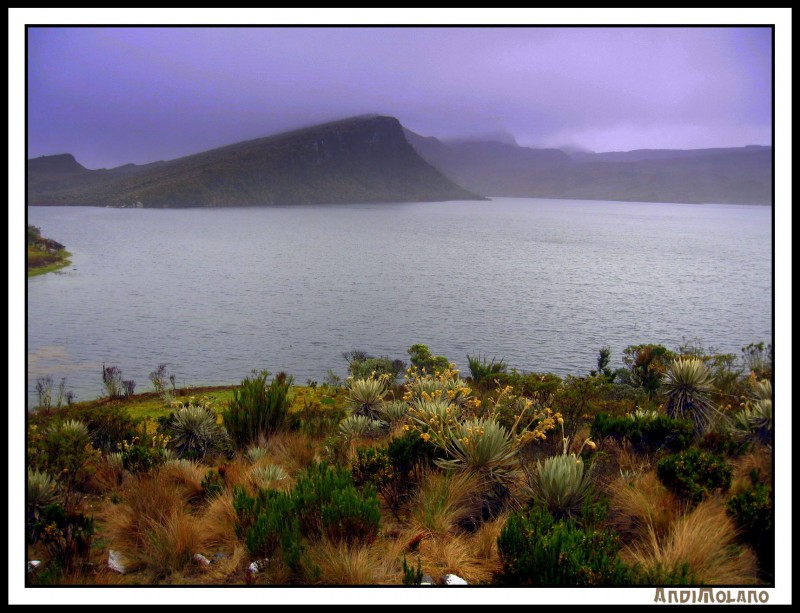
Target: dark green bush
x=693 y=474
x=326 y=499
x=67 y=536
x=323 y=503
x=140 y=458
x=725 y=443
x=411 y=575
x=411 y=451
x=423 y=359
x=258 y=409
x=536 y=550
x=751 y=510
x=645 y=435
x=268 y=524
x=379 y=366
x=213 y=483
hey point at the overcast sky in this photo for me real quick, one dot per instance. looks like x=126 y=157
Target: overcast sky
x=116 y=95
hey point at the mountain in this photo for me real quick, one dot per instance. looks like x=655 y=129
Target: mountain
x=361 y=159
x=740 y=175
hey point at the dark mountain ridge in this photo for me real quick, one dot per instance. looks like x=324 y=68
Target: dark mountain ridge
x=361 y=159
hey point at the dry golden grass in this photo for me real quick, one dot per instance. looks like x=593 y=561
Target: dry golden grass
x=448 y=554
x=217 y=525
x=642 y=505
x=186 y=475
x=327 y=563
x=152 y=528
x=702 y=541
x=294 y=451
x=108 y=477
x=445 y=500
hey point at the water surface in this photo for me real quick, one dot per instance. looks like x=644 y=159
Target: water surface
x=542 y=284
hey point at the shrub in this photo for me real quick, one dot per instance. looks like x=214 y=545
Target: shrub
x=67 y=536
x=758 y=359
x=422 y=359
x=411 y=575
x=724 y=443
x=536 y=550
x=392 y=412
x=751 y=511
x=481 y=370
x=112 y=380
x=196 y=433
x=363 y=366
x=138 y=458
x=560 y=484
x=325 y=499
x=687 y=385
x=410 y=451
x=754 y=421
x=646 y=364
x=317 y=420
x=41 y=492
x=363 y=395
x=67 y=453
x=647 y=432
x=482 y=446
x=693 y=474
x=357 y=426
x=257 y=409
x=542 y=386
x=213 y=483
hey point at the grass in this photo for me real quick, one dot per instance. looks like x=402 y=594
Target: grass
x=445 y=501
x=642 y=505
x=699 y=548
x=449 y=521
x=41 y=262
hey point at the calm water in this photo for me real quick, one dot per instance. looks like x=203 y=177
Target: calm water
x=543 y=284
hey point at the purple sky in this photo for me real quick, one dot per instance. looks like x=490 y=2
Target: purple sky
x=117 y=95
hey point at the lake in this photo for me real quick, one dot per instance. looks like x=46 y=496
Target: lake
x=543 y=284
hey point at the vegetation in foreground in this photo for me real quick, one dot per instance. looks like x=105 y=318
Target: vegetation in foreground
x=658 y=473
x=44 y=254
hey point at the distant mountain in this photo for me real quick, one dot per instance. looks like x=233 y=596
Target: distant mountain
x=361 y=159
x=726 y=176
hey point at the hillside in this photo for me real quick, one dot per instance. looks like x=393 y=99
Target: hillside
x=362 y=159
x=725 y=176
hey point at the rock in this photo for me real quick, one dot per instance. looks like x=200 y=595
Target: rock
x=115 y=561
x=426 y=580
x=33 y=565
x=257 y=566
x=454 y=580
x=201 y=559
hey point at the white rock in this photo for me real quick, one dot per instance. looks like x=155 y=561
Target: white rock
x=201 y=559
x=454 y=580
x=115 y=561
x=33 y=565
x=258 y=566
